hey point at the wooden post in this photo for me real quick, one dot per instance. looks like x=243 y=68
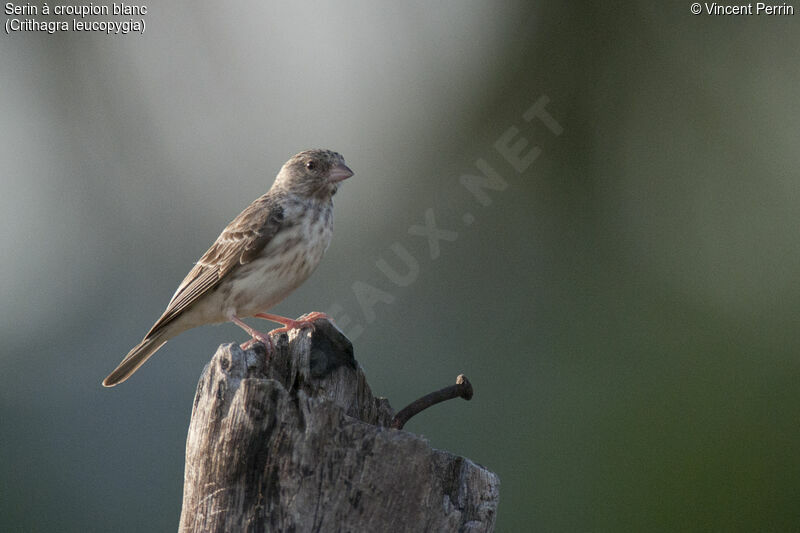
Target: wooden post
x=299 y=443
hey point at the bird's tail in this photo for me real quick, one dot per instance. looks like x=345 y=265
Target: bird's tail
x=135 y=359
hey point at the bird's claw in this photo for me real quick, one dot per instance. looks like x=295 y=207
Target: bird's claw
x=305 y=321
x=266 y=340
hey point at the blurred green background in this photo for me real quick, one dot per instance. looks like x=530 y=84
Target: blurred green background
x=626 y=308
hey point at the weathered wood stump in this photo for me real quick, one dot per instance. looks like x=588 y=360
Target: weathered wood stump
x=299 y=443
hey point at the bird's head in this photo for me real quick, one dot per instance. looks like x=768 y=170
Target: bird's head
x=313 y=173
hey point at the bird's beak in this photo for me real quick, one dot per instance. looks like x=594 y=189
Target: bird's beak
x=340 y=173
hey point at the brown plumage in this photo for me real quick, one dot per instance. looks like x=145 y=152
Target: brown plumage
x=268 y=250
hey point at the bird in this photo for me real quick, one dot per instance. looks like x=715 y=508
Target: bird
x=264 y=254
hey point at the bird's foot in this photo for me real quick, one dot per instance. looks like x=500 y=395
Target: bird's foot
x=305 y=321
x=255 y=336
x=266 y=340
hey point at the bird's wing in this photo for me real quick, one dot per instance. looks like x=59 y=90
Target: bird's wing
x=238 y=244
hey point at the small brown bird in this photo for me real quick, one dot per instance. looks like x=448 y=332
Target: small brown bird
x=264 y=254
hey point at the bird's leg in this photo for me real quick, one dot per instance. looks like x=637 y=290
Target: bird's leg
x=256 y=336
x=304 y=321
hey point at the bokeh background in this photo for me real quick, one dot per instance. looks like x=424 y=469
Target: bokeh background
x=627 y=308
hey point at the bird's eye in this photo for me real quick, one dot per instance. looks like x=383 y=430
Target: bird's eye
x=311 y=165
